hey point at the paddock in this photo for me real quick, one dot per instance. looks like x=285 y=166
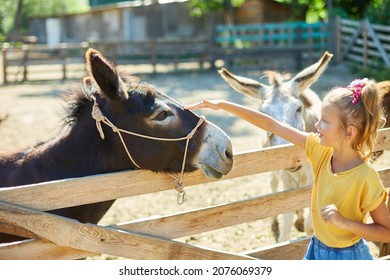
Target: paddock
x=158 y=228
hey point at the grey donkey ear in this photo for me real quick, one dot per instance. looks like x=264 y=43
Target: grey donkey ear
x=105 y=75
x=243 y=85
x=310 y=74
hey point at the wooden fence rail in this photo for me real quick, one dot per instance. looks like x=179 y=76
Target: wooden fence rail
x=150 y=238
x=255 y=44
x=247 y=46
x=233 y=44
x=20 y=64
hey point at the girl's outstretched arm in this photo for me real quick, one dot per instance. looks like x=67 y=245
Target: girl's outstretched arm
x=256 y=118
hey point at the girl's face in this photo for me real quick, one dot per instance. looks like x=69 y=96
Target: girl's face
x=328 y=126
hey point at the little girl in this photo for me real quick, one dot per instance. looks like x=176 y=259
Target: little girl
x=346 y=186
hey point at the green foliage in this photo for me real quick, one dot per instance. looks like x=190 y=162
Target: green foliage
x=380 y=73
x=36 y=8
x=317 y=11
x=314 y=10
x=340 y=12
x=354 y=8
x=7 y=13
x=379 y=12
x=199 y=8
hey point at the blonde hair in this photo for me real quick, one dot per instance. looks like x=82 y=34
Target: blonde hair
x=360 y=107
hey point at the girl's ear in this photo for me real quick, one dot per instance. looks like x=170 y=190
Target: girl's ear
x=351 y=132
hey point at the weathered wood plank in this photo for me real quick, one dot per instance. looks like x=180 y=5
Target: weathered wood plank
x=384 y=249
x=33 y=249
x=187 y=223
x=289 y=250
x=246 y=211
x=71 y=192
x=225 y=215
x=87 y=237
x=378 y=44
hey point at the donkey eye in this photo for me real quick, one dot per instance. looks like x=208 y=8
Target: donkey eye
x=299 y=109
x=162 y=115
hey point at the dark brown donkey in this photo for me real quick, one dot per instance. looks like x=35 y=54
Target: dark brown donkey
x=91 y=141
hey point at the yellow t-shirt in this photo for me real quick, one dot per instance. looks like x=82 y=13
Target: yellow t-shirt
x=355 y=193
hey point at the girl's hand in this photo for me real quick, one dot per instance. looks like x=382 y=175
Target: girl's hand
x=212 y=104
x=331 y=215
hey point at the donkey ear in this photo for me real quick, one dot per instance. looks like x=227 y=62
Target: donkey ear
x=105 y=75
x=243 y=85
x=89 y=87
x=310 y=74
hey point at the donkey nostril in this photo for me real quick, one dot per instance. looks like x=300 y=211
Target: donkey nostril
x=229 y=154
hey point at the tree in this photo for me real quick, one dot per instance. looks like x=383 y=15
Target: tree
x=15 y=15
x=379 y=12
x=17 y=21
x=355 y=9
x=200 y=8
x=318 y=9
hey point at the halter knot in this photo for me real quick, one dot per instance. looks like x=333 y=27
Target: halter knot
x=181 y=194
x=115 y=129
x=98 y=116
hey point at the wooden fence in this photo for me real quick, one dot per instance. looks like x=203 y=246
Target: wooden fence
x=363 y=43
x=261 y=42
x=249 y=46
x=43 y=62
x=54 y=237
x=241 y=45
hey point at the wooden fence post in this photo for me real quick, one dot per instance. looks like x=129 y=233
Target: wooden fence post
x=25 y=59
x=4 y=51
x=375 y=38
x=334 y=38
x=153 y=54
x=385 y=247
x=337 y=39
x=365 y=43
x=64 y=54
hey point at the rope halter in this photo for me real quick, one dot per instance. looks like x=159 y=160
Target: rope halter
x=99 y=117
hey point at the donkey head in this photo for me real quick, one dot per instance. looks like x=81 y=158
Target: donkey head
x=154 y=120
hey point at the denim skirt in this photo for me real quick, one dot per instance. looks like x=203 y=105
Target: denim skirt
x=319 y=251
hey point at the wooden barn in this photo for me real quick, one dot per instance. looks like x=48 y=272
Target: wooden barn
x=262 y=11
x=118 y=20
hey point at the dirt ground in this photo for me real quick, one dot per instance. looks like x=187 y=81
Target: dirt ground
x=33 y=113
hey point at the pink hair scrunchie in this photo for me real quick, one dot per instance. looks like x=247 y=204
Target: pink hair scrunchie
x=356 y=86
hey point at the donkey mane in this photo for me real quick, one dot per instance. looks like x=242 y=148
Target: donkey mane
x=75 y=103
x=77 y=100
x=276 y=78
x=276 y=81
